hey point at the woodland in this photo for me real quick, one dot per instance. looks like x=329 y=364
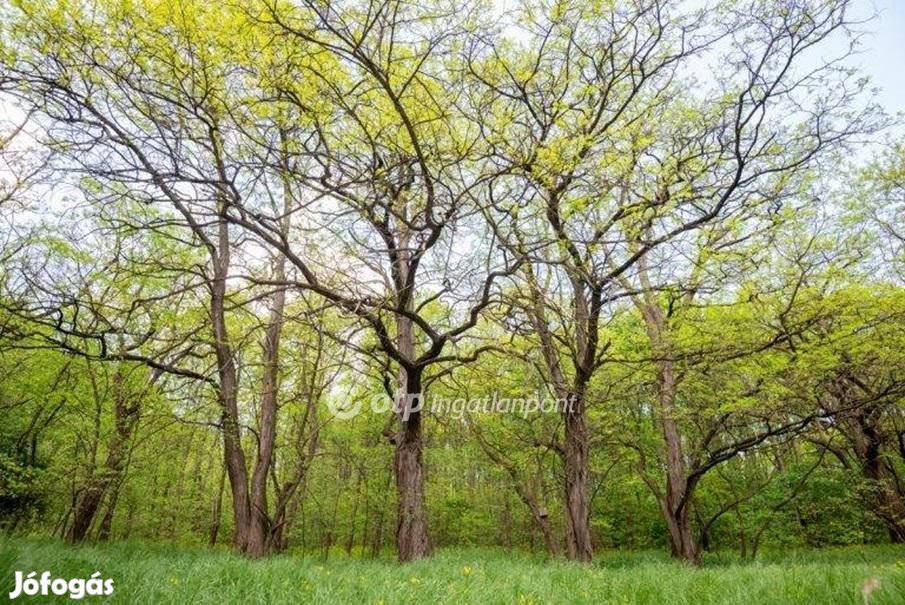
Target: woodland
x=227 y=229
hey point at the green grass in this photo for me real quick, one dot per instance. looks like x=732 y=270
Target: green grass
x=157 y=574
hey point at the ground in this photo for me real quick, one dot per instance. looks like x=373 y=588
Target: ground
x=161 y=574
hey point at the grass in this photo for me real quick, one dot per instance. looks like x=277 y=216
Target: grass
x=157 y=574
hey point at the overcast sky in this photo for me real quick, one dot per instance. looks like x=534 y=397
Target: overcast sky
x=883 y=53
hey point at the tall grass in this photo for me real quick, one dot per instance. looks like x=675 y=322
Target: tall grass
x=157 y=574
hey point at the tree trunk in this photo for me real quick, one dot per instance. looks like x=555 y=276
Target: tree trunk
x=576 y=447
x=543 y=521
x=105 y=529
x=260 y=524
x=575 y=460
x=678 y=490
x=526 y=493
x=350 y=539
x=676 y=504
x=682 y=541
x=412 y=541
x=888 y=506
x=233 y=456
x=126 y=412
x=860 y=424
x=216 y=510
x=86 y=509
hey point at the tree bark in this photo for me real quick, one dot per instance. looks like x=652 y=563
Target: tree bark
x=412 y=540
x=126 y=412
x=105 y=529
x=233 y=456
x=576 y=446
x=888 y=503
x=260 y=523
x=575 y=460
x=676 y=503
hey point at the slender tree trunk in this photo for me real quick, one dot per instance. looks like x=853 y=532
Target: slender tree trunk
x=526 y=493
x=676 y=503
x=377 y=543
x=126 y=411
x=350 y=539
x=575 y=449
x=543 y=522
x=105 y=529
x=216 y=510
x=260 y=524
x=233 y=456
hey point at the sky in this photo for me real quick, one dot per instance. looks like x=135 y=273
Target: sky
x=883 y=52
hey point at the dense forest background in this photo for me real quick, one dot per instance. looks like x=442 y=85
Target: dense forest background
x=224 y=227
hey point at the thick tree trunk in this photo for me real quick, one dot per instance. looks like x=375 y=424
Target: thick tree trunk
x=575 y=459
x=860 y=424
x=412 y=541
x=888 y=504
x=86 y=509
x=681 y=536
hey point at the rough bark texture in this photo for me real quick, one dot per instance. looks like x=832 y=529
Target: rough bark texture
x=675 y=504
x=412 y=540
x=887 y=503
x=575 y=459
x=234 y=457
x=575 y=449
x=260 y=523
x=126 y=412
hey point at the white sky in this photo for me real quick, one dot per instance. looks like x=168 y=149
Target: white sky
x=883 y=54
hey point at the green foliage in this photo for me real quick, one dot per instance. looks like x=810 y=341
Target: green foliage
x=23 y=488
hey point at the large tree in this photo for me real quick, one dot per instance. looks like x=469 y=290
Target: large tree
x=612 y=145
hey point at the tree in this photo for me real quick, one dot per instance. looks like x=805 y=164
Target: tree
x=610 y=156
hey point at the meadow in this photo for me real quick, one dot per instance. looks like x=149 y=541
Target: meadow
x=161 y=574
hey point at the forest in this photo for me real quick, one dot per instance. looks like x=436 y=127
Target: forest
x=396 y=280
